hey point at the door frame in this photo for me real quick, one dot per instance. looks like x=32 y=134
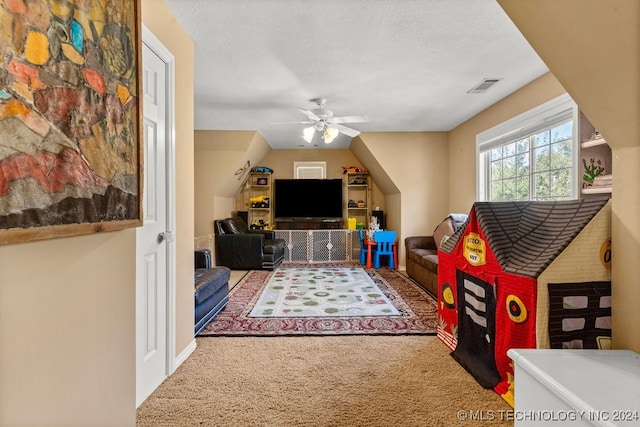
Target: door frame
x=153 y=43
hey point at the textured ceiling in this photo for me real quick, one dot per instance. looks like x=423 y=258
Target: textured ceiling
x=406 y=65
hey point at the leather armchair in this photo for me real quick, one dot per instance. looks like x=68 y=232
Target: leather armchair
x=240 y=248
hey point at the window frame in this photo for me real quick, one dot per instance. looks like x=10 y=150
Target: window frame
x=299 y=168
x=530 y=122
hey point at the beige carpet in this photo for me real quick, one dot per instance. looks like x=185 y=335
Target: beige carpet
x=322 y=381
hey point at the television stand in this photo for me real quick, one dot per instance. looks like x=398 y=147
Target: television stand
x=316 y=224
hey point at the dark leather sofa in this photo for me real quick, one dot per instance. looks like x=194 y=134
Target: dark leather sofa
x=240 y=248
x=211 y=288
x=422 y=253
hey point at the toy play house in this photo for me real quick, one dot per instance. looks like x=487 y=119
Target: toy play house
x=524 y=275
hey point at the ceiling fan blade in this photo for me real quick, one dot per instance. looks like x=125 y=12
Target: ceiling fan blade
x=309 y=113
x=345 y=130
x=351 y=119
x=290 y=123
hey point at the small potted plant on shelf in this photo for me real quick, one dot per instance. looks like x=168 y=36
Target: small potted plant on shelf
x=592 y=169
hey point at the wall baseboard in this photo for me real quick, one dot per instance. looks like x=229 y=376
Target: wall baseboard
x=184 y=355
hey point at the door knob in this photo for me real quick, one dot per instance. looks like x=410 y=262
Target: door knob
x=165 y=236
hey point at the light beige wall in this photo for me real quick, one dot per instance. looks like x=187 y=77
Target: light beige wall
x=416 y=164
x=462 y=139
x=218 y=155
x=593 y=47
x=160 y=20
x=67 y=331
x=67 y=313
x=222 y=207
x=67 y=306
x=281 y=161
x=384 y=187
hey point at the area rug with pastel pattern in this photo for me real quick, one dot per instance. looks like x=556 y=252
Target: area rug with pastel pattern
x=325 y=300
x=322 y=292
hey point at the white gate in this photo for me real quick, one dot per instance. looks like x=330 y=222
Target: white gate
x=320 y=245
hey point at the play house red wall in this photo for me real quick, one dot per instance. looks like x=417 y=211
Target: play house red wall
x=488 y=281
x=513 y=314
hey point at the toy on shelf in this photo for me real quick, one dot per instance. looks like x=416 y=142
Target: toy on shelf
x=261 y=169
x=352 y=169
x=260 y=202
x=358 y=180
x=259 y=225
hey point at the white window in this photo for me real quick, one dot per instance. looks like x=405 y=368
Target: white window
x=532 y=156
x=309 y=170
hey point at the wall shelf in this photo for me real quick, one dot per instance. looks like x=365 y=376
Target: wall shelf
x=597 y=190
x=593 y=142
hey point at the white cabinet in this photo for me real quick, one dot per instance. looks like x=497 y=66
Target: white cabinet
x=576 y=387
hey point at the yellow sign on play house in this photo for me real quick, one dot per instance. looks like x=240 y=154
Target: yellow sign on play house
x=474 y=249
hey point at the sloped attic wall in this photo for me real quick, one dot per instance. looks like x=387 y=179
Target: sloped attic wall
x=218 y=155
x=411 y=170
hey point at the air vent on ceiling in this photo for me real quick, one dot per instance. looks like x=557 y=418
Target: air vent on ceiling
x=483 y=85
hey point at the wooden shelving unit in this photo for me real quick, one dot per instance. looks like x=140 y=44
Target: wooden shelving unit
x=260 y=200
x=358 y=192
x=256 y=197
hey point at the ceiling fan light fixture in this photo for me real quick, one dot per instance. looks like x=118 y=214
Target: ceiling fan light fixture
x=330 y=134
x=326 y=124
x=307 y=134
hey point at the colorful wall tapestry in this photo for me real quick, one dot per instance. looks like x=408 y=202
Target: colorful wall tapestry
x=69 y=117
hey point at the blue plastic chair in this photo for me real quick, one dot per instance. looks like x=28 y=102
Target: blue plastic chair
x=384 y=246
x=363 y=248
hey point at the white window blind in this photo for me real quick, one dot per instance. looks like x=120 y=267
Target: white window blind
x=309 y=170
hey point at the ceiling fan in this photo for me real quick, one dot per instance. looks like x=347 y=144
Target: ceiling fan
x=326 y=124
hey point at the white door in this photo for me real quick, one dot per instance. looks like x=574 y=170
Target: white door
x=152 y=279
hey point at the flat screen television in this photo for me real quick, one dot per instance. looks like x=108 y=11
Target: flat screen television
x=307 y=199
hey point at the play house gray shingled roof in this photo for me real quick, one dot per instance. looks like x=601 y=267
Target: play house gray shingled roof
x=526 y=237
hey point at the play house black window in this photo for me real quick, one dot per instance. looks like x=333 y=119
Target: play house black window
x=579 y=315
